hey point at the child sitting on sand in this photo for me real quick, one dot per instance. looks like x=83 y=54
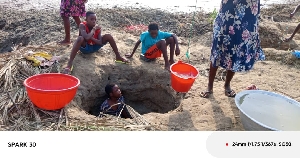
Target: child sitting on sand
x=90 y=40
x=114 y=105
x=154 y=43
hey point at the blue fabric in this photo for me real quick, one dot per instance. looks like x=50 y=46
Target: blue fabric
x=236 y=43
x=90 y=48
x=148 y=41
x=105 y=107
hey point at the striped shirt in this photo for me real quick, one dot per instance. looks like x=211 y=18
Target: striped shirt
x=105 y=107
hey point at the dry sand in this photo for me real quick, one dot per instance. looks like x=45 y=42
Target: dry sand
x=146 y=86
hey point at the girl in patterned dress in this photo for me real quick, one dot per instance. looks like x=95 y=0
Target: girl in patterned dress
x=71 y=8
x=236 y=43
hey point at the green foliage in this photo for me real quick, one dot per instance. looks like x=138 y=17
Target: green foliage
x=213 y=15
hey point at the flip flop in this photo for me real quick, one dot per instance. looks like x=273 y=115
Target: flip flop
x=146 y=59
x=230 y=93
x=206 y=94
x=122 y=62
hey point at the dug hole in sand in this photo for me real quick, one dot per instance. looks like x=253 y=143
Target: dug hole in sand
x=145 y=86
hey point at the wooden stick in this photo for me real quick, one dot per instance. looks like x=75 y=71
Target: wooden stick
x=66 y=115
x=59 y=119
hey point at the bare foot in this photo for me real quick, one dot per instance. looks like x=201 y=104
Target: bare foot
x=66 y=71
x=122 y=59
x=167 y=67
x=171 y=62
x=64 y=42
x=128 y=55
x=287 y=39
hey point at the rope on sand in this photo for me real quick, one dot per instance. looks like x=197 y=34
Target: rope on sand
x=136 y=117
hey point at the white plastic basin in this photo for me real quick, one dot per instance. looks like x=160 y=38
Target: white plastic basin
x=268 y=111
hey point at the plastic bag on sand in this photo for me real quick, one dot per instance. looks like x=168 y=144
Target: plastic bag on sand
x=41 y=58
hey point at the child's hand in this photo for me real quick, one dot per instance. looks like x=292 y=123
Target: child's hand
x=97 y=27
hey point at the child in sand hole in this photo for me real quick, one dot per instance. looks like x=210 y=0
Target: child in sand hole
x=114 y=104
x=90 y=40
x=154 y=43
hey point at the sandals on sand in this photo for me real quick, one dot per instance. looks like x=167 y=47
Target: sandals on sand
x=230 y=93
x=206 y=94
x=122 y=61
x=146 y=59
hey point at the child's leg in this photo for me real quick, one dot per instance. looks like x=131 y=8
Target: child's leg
x=171 y=42
x=66 y=21
x=295 y=10
x=77 y=20
x=78 y=43
x=161 y=45
x=108 y=38
x=295 y=31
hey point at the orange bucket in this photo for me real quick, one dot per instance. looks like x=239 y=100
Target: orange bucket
x=183 y=76
x=51 y=91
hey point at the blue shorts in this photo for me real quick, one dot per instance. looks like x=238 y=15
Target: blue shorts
x=91 y=48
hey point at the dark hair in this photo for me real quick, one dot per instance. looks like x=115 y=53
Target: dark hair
x=109 y=89
x=153 y=26
x=88 y=13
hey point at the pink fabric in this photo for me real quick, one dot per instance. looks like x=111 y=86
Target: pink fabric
x=70 y=8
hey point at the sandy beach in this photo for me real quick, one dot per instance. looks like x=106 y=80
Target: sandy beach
x=38 y=25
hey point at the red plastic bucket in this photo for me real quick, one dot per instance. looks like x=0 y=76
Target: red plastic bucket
x=51 y=91
x=183 y=76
